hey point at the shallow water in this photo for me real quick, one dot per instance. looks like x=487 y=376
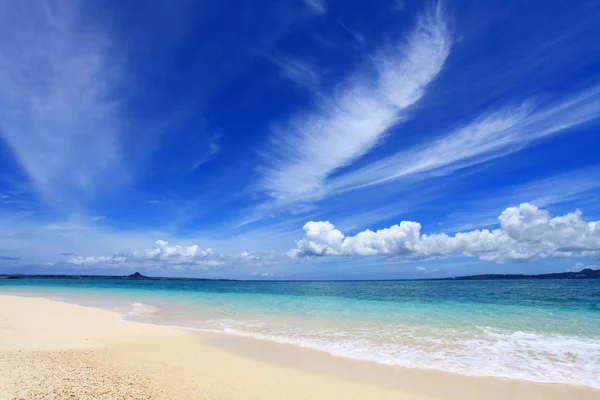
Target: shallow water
x=540 y=330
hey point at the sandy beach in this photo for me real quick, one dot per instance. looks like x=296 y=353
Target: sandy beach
x=54 y=350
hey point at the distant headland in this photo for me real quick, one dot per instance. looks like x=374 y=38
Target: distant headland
x=583 y=274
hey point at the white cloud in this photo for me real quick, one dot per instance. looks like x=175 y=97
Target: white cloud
x=317 y=6
x=526 y=233
x=213 y=149
x=95 y=260
x=593 y=254
x=343 y=127
x=360 y=39
x=575 y=186
x=490 y=136
x=256 y=273
x=245 y=256
x=58 y=113
x=174 y=256
x=161 y=252
x=37 y=239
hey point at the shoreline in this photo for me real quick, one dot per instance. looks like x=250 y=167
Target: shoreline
x=144 y=310
x=154 y=351
x=282 y=352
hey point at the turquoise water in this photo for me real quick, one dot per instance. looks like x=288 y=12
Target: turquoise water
x=540 y=330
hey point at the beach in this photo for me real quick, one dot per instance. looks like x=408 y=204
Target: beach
x=51 y=349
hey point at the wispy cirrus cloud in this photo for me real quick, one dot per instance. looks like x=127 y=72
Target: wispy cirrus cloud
x=299 y=71
x=360 y=39
x=58 y=112
x=305 y=150
x=213 y=150
x=571 y=186
x=316 y=6
x=490 y=136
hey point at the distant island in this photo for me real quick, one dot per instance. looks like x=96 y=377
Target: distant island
x=134 y=276
x=587 y=273
x=583 y=274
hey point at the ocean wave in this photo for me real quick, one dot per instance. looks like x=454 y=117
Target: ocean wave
x=480 y=351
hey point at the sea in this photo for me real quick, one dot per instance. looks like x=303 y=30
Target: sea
x=532 y=329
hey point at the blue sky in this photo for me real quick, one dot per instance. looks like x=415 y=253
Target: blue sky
x=299 y=139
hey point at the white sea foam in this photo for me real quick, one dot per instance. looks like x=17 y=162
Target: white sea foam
x=479 y=352
x=141 y=310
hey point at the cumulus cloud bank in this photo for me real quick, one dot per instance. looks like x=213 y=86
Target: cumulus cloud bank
x=164 y=254
x=526 y=233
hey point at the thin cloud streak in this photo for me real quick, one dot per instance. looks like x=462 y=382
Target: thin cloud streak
x=308 y=148
x=317 y=6
x=490 y=136
x=213 y=150
x=298 y=71
x=360 y=39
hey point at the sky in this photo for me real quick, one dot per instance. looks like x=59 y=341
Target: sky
x=299 y=139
